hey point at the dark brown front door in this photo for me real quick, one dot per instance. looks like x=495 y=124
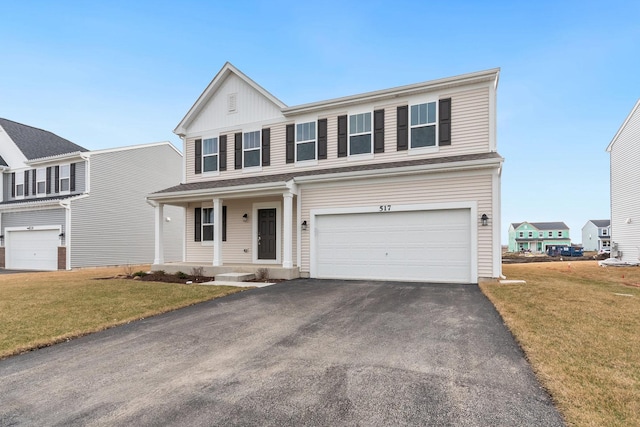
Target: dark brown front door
x=266 y=234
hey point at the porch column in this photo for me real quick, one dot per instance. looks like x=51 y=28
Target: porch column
x=217 y=232
x=159 y=227
x=287 y=231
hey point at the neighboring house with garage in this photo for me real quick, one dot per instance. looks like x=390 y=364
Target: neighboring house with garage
x=596 y=235
x=624 y=151
x=535 y=237
x=62 y=206
x=399 y=184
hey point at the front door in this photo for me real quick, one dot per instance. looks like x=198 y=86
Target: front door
x=267 y=234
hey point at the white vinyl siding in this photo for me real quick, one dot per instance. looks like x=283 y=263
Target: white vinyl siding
x=435 y=188
x=114 y=225
x=36 y=218
x=625 y=197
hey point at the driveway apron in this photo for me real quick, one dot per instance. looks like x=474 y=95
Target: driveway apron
x=302 y=352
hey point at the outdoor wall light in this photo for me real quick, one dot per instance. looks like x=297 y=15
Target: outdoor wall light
x=1 y=239
x=245 y=217
x=485 y=220
x=61 y=235
x=304 y=224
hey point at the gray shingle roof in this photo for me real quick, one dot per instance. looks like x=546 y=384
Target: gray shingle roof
x=601 y=222
x=283 y=177
x=544 y=225
x=2 y=162
x=37 y=143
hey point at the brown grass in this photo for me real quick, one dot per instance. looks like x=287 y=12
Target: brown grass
x=39 y=309
x=579 y=325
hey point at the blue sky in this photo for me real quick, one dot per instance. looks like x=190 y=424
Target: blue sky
x=113 y=73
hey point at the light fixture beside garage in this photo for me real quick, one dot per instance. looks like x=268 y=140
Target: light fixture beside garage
x=1 y=239
x=485 y=220
x=304 y=224
x=245 y=217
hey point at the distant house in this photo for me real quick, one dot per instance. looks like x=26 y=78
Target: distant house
x=624 y=152
x=62 y=206
x=536 y=236
x=596 y=235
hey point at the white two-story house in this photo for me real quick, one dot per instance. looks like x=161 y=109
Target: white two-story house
x=62 y=206
x=396 y=184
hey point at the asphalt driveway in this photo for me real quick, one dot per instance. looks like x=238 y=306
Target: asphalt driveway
x=303 y=352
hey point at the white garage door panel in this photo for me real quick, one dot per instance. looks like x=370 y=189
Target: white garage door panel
x=414 y=245
x=32 y=249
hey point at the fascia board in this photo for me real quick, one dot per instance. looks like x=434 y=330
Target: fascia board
x=615 y=138
x=244 y=191
x=387 y=172
x=78 y=155
x=381 y=95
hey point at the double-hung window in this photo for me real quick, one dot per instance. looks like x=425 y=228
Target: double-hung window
x=210 y=155
x=251 y=148
x=207 y=224
x=19 y=184
x=360 y=134
x=65 y=178
x=41 y=181
x=423 y=125
x=305 y=141
x=551 y=234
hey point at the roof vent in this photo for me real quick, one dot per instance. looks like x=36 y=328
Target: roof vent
x=232 y=103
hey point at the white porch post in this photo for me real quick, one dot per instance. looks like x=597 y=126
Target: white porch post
x=159 y=249
x=287 y=231
x=217 y=232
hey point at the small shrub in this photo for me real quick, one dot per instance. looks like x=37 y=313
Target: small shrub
x=181 y=275
x=262 y=273
x=159 y=272
x=197 y=272
x=139 y=274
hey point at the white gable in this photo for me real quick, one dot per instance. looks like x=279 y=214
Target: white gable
x=10 y=151
x=234 y=104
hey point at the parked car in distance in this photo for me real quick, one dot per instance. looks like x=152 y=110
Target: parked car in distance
x=571 y=251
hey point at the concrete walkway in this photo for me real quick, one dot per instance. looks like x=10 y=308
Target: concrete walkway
x=303 y=352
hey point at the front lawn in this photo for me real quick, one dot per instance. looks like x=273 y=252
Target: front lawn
x=39 y=309
x=579 y=325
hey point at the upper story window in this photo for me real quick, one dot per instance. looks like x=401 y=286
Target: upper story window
x=541 y=234
x=423 y=125
x=210 y=155
x=19 y=184
x=360 y=134
x=65 y=178
x=604 y=231
x=207 y=224
x=41 y=181
x=559 y=233
x=305 y=141
x=251 y=149
x=531 y=234
x=521 y=234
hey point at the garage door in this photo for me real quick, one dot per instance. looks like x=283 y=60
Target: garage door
x=432 y=246
x=32 y=249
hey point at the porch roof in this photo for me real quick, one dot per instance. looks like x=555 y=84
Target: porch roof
x=279 y=181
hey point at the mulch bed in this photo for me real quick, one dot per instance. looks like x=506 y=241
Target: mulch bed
x=155 y=276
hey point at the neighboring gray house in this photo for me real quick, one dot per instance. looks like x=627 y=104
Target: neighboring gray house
x=62 y=206
x=624 y=152
x=596 y=235
x=401 y=183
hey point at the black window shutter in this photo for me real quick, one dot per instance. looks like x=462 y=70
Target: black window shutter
x=13 y=184
x=290 y=144
x=378 y=134
x=266 y=147
x=238 y=150
x=57 y=179
x=48 y=184
x=444 y=136
x=26 y=183
x=72 y=177
x=223 y=152
x=342 y=136
x=322 y=139
x=224 y=223
x=403 y=127
x=197 y=225
x=34 y=178
x=198 y=156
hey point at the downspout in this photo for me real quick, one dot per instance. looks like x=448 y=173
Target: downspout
x=66 y=204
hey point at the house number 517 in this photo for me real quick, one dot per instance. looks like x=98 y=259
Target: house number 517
x=385 y=208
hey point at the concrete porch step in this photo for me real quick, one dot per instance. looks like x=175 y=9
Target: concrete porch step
x=234 y=277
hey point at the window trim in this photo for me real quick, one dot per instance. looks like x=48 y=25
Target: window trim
x=217 y=154
x=206 y=224
x=296 y=142
x=428 y=124
x=257 y=167
x=360 y=156
x=521 y=234
x=43 y=181
x=61 y=178
x=19 y=182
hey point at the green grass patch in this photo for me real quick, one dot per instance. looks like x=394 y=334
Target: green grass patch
x=579 y=325
x=40 y=309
